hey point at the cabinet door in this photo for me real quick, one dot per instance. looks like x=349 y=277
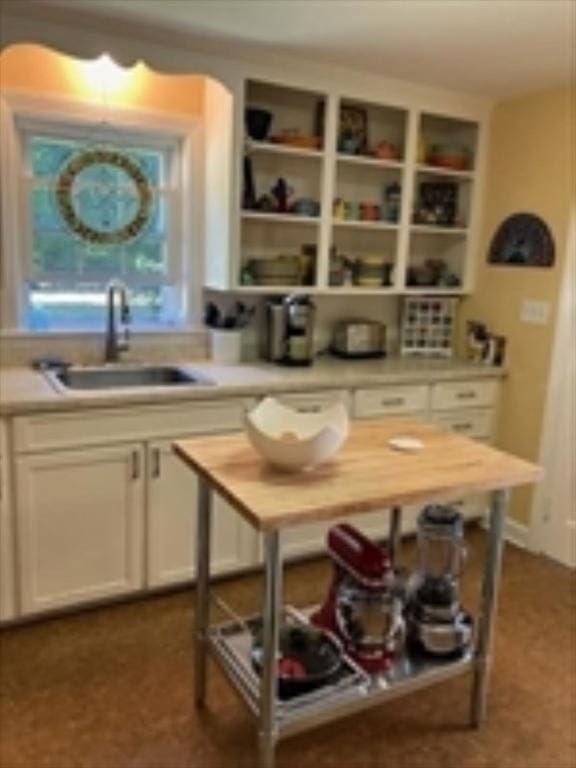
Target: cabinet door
x=80 y=519
x=172 y=504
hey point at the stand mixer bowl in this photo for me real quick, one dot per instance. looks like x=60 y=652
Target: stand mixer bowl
x=370 y=622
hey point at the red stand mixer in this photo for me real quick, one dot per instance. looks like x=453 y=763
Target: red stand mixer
x=364 y=605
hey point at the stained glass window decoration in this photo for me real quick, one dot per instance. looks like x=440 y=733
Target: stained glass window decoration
x=99 y=210
x=124 y=196
x=104 y=196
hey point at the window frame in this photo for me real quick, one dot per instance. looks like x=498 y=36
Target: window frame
x=22 y=113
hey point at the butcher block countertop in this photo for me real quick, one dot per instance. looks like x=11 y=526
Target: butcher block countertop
x=366 y=475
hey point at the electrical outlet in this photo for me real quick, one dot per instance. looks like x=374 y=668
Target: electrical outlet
x=535 y=312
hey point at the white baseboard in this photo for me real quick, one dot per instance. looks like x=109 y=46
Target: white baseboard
x=515 y=533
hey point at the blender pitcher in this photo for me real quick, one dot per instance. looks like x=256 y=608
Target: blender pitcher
x=437 y=623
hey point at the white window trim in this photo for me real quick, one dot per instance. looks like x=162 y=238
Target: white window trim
x=18 y=108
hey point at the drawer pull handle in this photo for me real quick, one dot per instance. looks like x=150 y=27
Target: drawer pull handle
x=135 y=465
x=308 y=408
x=394 y=401
x=469 y=395
x=156 y=466
x=463 y=427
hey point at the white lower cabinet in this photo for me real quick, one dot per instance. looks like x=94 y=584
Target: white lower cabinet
x=80 y=525
x=95 y=522
x=172 y=503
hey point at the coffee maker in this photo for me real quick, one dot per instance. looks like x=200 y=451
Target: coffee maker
x=290 y=330
x=437 y=624
x=364 y=605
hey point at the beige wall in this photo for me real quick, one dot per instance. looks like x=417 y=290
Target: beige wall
x=531 y=168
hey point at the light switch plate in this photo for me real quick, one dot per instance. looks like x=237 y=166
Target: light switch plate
x=535 y=312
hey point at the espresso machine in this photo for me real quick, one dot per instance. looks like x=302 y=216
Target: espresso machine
x=436 y=623
x=364 y=604
x=290 y=330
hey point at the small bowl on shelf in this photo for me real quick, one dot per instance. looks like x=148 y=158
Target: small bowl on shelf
x=277 y=270
x=372 y=271
x=295 y=441
x=450 y=156
x=385 y=150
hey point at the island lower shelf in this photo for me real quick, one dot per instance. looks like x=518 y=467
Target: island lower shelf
x=354 y=691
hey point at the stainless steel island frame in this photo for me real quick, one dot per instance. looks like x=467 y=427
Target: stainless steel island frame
x=229 y=466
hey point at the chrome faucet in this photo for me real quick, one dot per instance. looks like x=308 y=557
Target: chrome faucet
x=113 y=344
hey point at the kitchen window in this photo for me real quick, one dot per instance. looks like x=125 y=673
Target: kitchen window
x=100 y=202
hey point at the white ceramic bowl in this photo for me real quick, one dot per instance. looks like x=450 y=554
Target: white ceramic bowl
x=293 y=440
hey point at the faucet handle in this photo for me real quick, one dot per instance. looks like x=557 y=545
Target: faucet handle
x=124 y=343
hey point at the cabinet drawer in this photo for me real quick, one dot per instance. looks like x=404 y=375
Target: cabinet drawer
x=475 y=423
x=312 y=402
x=463 y=394
x=101 y=427
x=390 y=400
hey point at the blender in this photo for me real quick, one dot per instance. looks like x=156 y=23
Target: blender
x=436 y=622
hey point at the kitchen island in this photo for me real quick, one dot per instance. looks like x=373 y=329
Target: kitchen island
x=368 y=474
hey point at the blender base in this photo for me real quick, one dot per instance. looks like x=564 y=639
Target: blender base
x=447 y=640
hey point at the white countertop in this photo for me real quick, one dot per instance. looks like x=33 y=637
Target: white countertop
x=23 y=390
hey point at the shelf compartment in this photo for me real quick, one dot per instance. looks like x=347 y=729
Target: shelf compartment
x=302 y=177
x=270 y=236
x=374 y=123
x=372 y=185
x=356 y=241
x=451 y=133
x=449 y=199
x=436 y=244
x=359 y=240
x=231 y=643
x=293 y=109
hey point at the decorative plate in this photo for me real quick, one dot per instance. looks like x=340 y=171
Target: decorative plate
x=104 y=197
x=522 y=240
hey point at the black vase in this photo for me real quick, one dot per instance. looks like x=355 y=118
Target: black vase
x=257 y=122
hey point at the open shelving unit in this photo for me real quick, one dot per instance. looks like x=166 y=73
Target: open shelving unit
x=366 y=182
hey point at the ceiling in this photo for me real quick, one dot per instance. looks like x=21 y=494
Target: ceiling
x=496 y=48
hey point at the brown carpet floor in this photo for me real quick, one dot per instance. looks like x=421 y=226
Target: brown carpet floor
x=112 y=688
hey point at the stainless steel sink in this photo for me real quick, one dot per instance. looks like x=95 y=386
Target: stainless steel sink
x=114 y=377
